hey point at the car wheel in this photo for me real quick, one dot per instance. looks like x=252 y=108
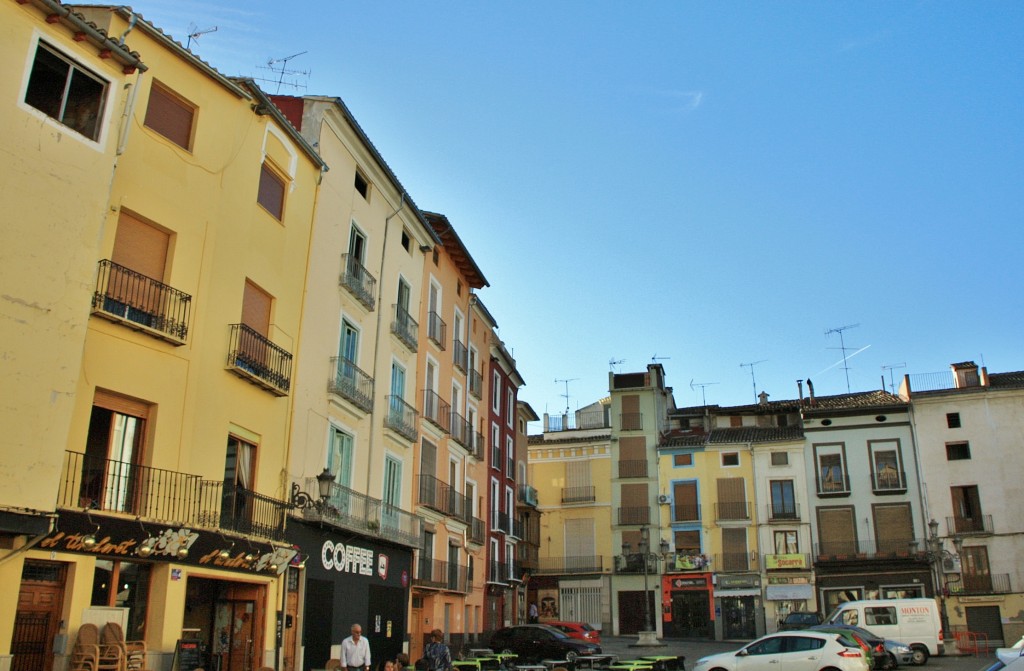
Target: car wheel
x=920 y=655
x=507 y=651
x=571 y=655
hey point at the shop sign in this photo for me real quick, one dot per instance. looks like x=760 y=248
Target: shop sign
x=738 y=582
x=785 y=561
x=349 y=559
x=788 y=592
x=684 y=583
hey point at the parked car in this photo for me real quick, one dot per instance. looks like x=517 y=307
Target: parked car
x=534 y=642
x=1006 y=655
x=800 y=619
x=900 y=652
x=914 y=621
x=580 y=630
x=872 y=647
x=1015 y=664
x=789 y=651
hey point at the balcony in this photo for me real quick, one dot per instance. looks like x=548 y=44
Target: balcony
x=686 y=513
x=977 y=525
x=634 y=563
x=888 y=481
x=497 y=572
x=688 y=560
x=437 y=411
x=462 y=431
x=579 y=494
x=531 y=527
x=405 y=327
x=501 y=522
x=351 y=383
x=528 y=495
x=732 y=511
x=348 y=509
x=443 y=498
x=578 y=421
x=254 y=358
x=635 y=515
x=476 y=531
x=141 y=303
x=883 y=549
x=436 y=329
x=528 y=557
x=991 y=583
x=476 y=384
x=834 y=486
x=631 y=421
x=477 y=450
x=632 y=468
x=460 y=356
x=517 y=528
x=784 y=512
x=570 y=565
x=442 y=575
x=401 y=417
x=359 y=282
x=736 y=562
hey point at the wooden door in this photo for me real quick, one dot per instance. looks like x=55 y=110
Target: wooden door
x=36 y=622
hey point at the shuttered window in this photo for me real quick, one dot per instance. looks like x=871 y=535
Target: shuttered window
x=428 y=459
x=734 y=550
x=140 y=247
x=687 y=542
x=684 y=495
x=732 y=499
x=271 y=192
x=894 y=527
x=256 y=309
x=169 y=115
x=579 y=538
x=837 y=531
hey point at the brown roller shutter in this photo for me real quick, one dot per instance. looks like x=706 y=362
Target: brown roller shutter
x=631 y=403
x=837 y=531
x=894 y=527
x=732 y=500
x=256 y=309
x=140 y=247
x=170 y=116
x=633 y=449
x=684 y=495
x=121 y=404
x=734 y=550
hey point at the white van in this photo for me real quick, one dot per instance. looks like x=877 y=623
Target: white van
x=915 y=622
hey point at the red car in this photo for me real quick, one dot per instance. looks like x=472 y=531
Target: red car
x=580 y=630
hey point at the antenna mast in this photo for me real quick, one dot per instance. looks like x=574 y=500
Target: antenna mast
x=842 y=346
x=194 y=34
x=282 y=71
x=613 y=362
x=752 y=380
x=703 y=386
x=892 y=383
x=566 y=394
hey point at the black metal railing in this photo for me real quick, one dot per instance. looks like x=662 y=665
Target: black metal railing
x=532 y=530
x=978 y=524
x=686 y=512
x=834 y=487
x=405 y=327
x=633 y=562
x=460 y=355
x=477 y=452
x=133 y=299
x=352 y=383
x=888 y=480
x=461 y=430
x=631 y=421
x=733 y=562
x=358 y=280
x=355 y=511
x=581 y=419
x=932 y=381
x=732 y=510
x=245 y=511
x=635 y=515
x=497 y=572
x=688 y=560
x=783 y=511
x=528 y=495
x=570 y=565
x=501 y=522
x=528 y=557
x=987 y=583
x=442 y=497
x=883 y=548
x=517 y=527
x=476 y=530
x=436 y=410
x=586 y=494
x=396 y=524
x=253 y=356
x=401 y=417
x=476 y=383
x=632 y=468
x=436 y=329
x=442 y=575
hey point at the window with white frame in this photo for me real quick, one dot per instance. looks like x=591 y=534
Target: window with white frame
x=510 y=457
x=65 y=91
x=496 y=392
x=510 y=405
x=495 y=446
x=886 y=469
x=832 y=476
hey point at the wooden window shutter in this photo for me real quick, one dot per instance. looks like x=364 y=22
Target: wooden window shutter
x=256 y=309
x=170 y=116
x=630 y=403
x=140 y=247
x=837 y=531
x=894 y=527
x=635 y=495
x=684 y=496
x=428 y=458
x=731 y=490
x=633 y=449
x=271 y=191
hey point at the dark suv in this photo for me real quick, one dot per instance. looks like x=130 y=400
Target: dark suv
x=534 y=642
x=800 y=619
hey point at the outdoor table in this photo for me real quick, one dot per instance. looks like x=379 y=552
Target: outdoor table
x=664 y=662
x=466 y=664
x=632 y=665
x=481 y=652
x=555 y=663
x=591 y=661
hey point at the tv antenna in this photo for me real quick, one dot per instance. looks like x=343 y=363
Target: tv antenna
x=194 y=34
x=892 y=383
x=613 y=362
x=842 y=346
x=656 y=358
x=702 y=386
x=279 y=66
x=752 y=380
x=566 y=394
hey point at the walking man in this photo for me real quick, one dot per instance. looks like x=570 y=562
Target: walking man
x=355 y=651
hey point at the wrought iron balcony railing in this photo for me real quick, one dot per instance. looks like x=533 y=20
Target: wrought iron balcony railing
x=359 y=282
x=351 y=383
x=436 y=329
x=256 y=359
x=396 y=524
x=586 y=494
x=528 y=495
x=352 y=510
x=978 y=524
x=476 y=531
x=132 y=299
x=478 y=446
x=634 y=563
x=497 y=572
x=580 y=420
x=834 y=487
x=442 y=575
x=732 y=510
x=460 y=355
x=631 y=421
x=635 y=515
x=437 y=411
x=405 y=327
x=888 y=480
x=443 y=498
x=783 y=511
x=988 y=583
x=476 y=384
x=685 y=512
x=462 y=431
x=501 y=522
x=570 y=565
x=632 y=468
x=894 y=548
x=401 y=417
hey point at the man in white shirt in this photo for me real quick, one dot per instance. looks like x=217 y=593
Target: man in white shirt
x=355 y=651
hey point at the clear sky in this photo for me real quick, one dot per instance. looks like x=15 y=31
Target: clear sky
x=713 y=183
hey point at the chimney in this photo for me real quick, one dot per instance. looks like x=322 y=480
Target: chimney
x=810 y=392
x=762 y=399
x=965 y=374
x=800 y=386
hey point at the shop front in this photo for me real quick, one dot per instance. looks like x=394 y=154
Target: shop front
x=350 y=579
x=788 y=587
x=686 y=606
x=740 y=615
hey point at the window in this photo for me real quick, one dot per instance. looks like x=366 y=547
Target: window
x=958 y=451
x=392 y=492
x=495 y=447
x=877 y=615
x=362 y=186
x=239 y=475
x=836 y=531
x=967 y=515
x=953 y=420
x=735 y=421
x=886 y=470
x=977 y=576
x=894 y=527
x=785 y=543
x=510 y=404
x=732 y=499
x=134 y=284
x=496 y=392
x=687 y=542
x=256 y=306
x=832 y=478
x=458 y=287
x=271 y=191
x=65 y=91
x=834 y=597
x=684 y=502
x=114 y=450
x=682 y=460
x=406 y=241
x=783 y=500
x=356 y=245
x=435 y=256
x=339 y=459
x=734 y=550
x=730 y=458
x=780 y=458
x=510 y=458
x=123 y=584
x=170 y=116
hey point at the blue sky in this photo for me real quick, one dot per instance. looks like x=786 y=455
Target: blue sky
x=712 y=183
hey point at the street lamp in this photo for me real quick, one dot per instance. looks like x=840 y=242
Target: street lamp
x=934 y=555
x=643 y=552
x=301 y=499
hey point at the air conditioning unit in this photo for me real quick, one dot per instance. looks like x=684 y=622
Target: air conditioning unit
x=664 y=498
x=951 y=564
